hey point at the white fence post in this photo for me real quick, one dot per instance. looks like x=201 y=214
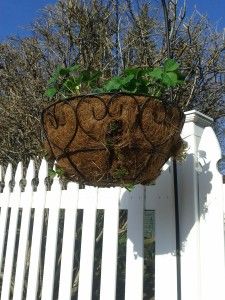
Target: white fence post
x=224 y=210
x=211 y=218
x=191 y=208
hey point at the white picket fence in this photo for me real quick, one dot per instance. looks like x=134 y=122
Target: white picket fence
x=201 y=230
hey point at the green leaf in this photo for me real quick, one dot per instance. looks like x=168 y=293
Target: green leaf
x=74 y=68
x=156 y=73
x=67 y=71
x=59 y=171
x=129 y=187
x=130 y=87
x=95 y=75
x=115 y=84
x=89 y=78
x=170 y=79
x=98 y=90
x=127 y=79
x=170 y=65
x=64 y=71
x=52 y=80
x=72 y=83
x=57 y=70
x=85 y=75
x=142 y=87
x=51 y=92
x=71 y=86
x=54 y=77
x=51 y=173
x=132 y=71
x=180 y=76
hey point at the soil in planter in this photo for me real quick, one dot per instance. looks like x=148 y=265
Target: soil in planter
x=110 y=140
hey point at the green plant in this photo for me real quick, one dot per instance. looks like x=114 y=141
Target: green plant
x=129 y=187
x=180 y=152
x=71 y=81
x=120 y=173
x=57 y=172
x=113 y=127
x=149 y=81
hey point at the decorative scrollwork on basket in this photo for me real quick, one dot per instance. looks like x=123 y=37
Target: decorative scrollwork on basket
x=112 y=139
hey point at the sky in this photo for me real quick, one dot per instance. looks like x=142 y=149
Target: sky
x=215 y=9
x=17 y=13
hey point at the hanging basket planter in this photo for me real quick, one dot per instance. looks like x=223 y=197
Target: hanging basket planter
x=112 y=139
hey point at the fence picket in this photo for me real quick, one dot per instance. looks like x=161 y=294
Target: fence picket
x=26 y=202
x=110 y=244
x=88 y=197
x=53 y=203
x=15 y=197
x=4 y=202
x=69 y=201
x=135 y=247
x=38 y=203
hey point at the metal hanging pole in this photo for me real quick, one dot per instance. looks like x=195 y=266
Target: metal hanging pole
x=175 y=179
x=117 y=37
x=167 y=29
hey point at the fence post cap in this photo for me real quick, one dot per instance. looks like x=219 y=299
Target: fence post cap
x=198 y=118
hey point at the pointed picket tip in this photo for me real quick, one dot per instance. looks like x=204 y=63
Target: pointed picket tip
x=42 y=175
x=209 y=146
x=18 y=176
x=30 y=176
x=19 y=172
x=56 y=181
x=8 y=174
x=1 y=173
x=30 y=171
x=43 y=170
